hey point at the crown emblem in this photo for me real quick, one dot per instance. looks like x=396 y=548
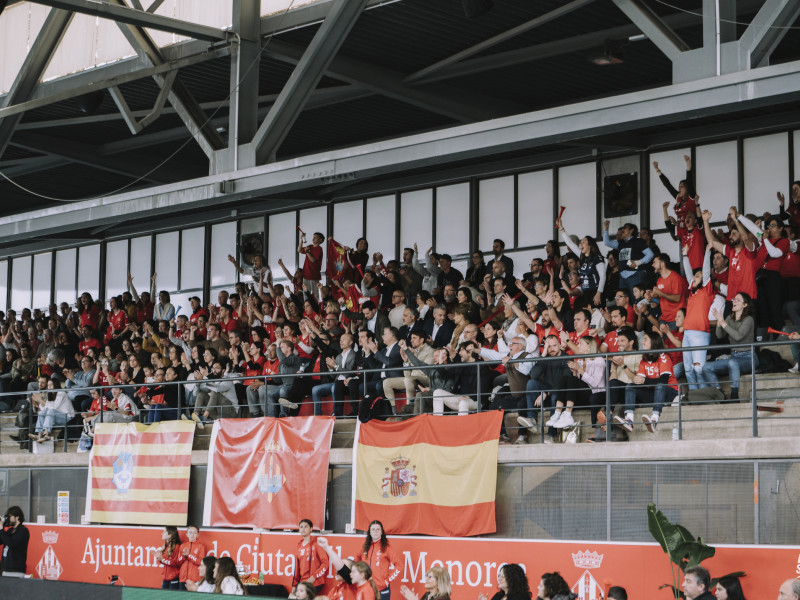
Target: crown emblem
x=400 y=462
x=587 y=560
x=49 y=537
x=273 y=446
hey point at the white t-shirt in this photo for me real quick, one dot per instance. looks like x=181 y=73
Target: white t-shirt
x=205 y=587
x=231 y=587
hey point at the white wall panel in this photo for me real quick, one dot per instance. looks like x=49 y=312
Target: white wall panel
x=282 y=242
x=66 y=262
x=380 y=226
x=668 y=245
x=535 y=208
x=416 y=219
x=348 y=222
x=673 y=166
x=21 y=283
x=311 y=221
x=193 y=258
x=140 y=263
x=89 y=270
x=766 y=172
x=166 y=263
x=116 y=268
x=223 y=243
x=577 y=191
x=495 y=212
x=452 y=220
x=3 y=283
x=716 y=178
x=42 y=271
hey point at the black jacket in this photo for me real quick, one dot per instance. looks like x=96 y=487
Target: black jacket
x=15 y=549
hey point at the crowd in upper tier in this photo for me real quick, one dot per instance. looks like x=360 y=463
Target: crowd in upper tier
x=400 y=315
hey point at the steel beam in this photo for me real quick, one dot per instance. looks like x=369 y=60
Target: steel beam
x=498 y=39
x=767 y=29
x=654 y=27
x=625 y=113
x=185 y=105
x=435 y=98
x=32 y=68
x=305 y=77
x=138 y=18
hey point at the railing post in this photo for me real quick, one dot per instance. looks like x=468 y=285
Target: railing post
x=609 y=419
x=680 y=411
x=31 y=424
x=478 y=367
x=753 y=388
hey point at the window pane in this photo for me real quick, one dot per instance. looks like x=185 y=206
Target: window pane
x=416 y=222
x=116 y=268
x=141 y=269
x=495 y=212
x=166 y=262
x=716 y=177
x=89 y=270
x=21 y=283
x=348 y=222
x=65 y=276
x=577 y=191
x=42 y=271
x=223 y=243
x=535 y=209
x=282 y=243
x=452 y=220
x=3 y=283
x=380 y=226
x=180 y=300
x=193 y=258
x=766 y=171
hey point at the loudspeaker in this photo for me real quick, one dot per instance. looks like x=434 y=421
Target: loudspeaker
x=475 y=8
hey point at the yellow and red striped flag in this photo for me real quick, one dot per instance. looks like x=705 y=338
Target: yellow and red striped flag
x=434 y=475
x=140 y=473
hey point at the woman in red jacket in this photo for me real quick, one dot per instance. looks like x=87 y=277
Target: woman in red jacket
x=311 y=561
x=379 y=555
x=192 y=554
x=169 y=555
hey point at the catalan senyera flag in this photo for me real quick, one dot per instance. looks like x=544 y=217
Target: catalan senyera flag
x=140 y=473
x=268 y=472
x=433 y=475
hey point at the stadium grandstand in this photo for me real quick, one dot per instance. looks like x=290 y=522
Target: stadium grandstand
x=509 y=282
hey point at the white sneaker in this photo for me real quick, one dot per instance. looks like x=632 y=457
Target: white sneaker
x=526 y=422
x=650 y=422
x=554 y=418
x=549 y=440
x=795 y=369
x=566 y=420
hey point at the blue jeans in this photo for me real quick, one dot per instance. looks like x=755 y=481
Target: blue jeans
x=738 y=363
x=318 y=392
x=532 y=391
x=694 y=360
x=49 y=418
x=160 y=412
x=658 y=396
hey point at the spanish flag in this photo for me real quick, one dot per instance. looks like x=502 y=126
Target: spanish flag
x=140 y=473
x=433 y=475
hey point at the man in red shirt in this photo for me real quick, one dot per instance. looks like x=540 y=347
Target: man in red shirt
x=312 y=266
x=618 y=320
x=670 y=290
x=197 y=309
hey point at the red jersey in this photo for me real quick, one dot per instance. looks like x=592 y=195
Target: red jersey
x=170 y=563
x=384 y=564
x=271 y=367
x=200 y=312
x=574 y=336
x=742 y=269
x=722 y=276
x=89 y=317
x=144 y=312
x=671 y=284
x=311 y=270
x=790 y=267
x=232 y=325
x=654 y=370
x=84 y=345
x=674 y=357
x=97 y=403
x=365 y=591
x=191 y=562
x=682 y=207
x=773 y=264
x=305 y=340
x=342 y=591
x=696 y=242
x=254 y=367
x=697 y=308
x=611 y=341
x=311 y=561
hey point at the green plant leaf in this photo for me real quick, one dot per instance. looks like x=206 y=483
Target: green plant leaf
x=691 y=553
x=668 y=535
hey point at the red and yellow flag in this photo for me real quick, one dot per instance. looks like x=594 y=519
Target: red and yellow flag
x=434 y=475
x=140 y=473
x=268 y=472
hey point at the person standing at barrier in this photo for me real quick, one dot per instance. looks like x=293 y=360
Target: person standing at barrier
x=192 y=555
x=14 y=537
x=437 y=586
x=696 y=326
x=169 y=555
x=381 y=558
x=513 y=584
x=311 y=561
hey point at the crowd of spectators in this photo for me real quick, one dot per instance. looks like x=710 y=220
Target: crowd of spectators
x=264 y=348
